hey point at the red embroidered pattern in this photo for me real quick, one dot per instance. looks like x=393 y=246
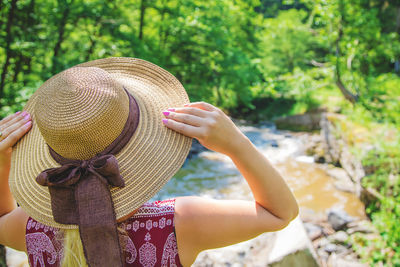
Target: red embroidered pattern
x=150 y=241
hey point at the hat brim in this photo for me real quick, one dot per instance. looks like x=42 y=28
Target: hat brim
x=152 y=156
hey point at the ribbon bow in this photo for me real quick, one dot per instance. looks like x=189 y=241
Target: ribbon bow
x=80 y=195
x=104 y=167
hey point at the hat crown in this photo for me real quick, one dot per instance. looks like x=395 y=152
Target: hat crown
x=81 y=111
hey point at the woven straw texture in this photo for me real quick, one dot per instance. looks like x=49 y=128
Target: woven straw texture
x=83 y=125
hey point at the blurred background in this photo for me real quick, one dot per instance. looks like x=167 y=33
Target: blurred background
x=259 y=61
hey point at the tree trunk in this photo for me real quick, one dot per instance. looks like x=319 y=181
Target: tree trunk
x=142 y=11
x=17 y=68
x=91 y=48
x=7 y=48
x=61 y=31
x=27 y=60
x=161 y=28
x=397 y=62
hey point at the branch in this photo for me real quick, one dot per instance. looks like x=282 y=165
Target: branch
x=346 y=93
x=317 y=64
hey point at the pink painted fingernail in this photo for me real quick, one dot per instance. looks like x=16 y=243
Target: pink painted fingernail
x=27 y=117
x=166 y=113
x=23 y=114
x=16 y=113
x=171 y=109
x=28 y=123
x=165 y=121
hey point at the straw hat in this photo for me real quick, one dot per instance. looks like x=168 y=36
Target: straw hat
x=80 y=111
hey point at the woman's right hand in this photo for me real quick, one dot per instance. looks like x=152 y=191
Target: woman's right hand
x=12 y=128
x=208 y=124
x=12 y=219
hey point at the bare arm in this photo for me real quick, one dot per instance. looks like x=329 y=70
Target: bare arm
x=12 y=219
x=201 y=223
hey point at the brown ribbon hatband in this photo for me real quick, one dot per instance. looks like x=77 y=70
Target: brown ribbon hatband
x=80 y=194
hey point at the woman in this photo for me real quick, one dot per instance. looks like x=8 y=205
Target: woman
x=161 y=119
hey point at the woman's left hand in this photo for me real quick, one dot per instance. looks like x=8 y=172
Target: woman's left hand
x=208 y=124
x=12 y=128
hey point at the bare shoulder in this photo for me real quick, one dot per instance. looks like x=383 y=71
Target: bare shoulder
x=203 y=223
x=12 y=229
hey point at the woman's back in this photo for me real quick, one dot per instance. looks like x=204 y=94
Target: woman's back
x=147 y=238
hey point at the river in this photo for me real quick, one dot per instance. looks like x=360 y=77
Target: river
x=213 y=175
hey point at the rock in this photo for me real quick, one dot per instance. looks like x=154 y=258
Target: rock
x=339 y=219
x=338 y=249
x=310 y=216
x=369 y=195
x=303 y=122
x=338 y=151
x=196 y=149
x=266 y=125
x=292 y=247
x=362 y=226
x=345 y=186
x=323 y=257
x=305 y=159
x=338 y=173
x=297 y=259
x=331 y=248
x=340 y=237
x=274 y=143
x=327 y=228
x=321 y=242
x=343 y=181
x=287 y=247
x=16 y=258
x=338 y=261
x=313 y=231
x=319 y=159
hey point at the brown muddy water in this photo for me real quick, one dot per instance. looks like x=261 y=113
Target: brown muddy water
x=314 y=189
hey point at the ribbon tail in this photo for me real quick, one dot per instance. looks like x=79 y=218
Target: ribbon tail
x=97 y=223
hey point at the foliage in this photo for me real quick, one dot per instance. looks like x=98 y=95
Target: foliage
x=383 y=98
x=209 y=46
x=385 y=213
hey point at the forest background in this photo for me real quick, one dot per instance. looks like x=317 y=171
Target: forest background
x=256 y=59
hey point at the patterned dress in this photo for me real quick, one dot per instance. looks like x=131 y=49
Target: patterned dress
x=150 y=239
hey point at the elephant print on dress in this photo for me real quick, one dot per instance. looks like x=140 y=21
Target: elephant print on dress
x=37 y=245
x=170 y=251
x=147 y=239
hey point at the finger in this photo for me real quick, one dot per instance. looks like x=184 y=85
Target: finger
x=202 y=105
x=9 y=118
x=184 y=118
x=182 y=128
x=14 y=136
x=191 y=110
x=15 y=119
x=12 y=127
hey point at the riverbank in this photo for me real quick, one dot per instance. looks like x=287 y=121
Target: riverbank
x=335 y=232
x=369 y=154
